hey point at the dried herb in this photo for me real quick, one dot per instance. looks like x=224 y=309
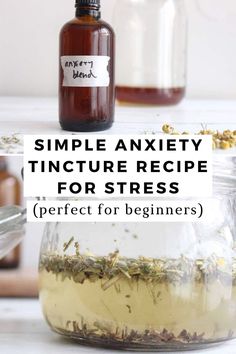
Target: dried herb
x=129 y=308
x=113 y=267
x=221 y=140
x=67 y=245
x=147 y=339
x=11 y=143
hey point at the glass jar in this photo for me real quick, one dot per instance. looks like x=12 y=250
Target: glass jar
x=151 y=51
x=145 y=286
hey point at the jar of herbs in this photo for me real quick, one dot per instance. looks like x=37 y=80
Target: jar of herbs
x=145 y=286
x=151 y=51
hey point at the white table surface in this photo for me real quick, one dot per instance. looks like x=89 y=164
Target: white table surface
x=23 y=330
x=39 y=116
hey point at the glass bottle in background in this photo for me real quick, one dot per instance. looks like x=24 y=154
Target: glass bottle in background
x=151 y=51
x=10 y=194
x=86 y=87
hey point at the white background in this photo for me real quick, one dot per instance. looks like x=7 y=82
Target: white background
x=29 y=46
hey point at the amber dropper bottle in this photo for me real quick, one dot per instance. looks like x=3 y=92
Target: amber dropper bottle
x=86 y=83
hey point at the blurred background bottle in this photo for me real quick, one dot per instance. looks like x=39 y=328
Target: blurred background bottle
x=151 y=51
x=10 y=194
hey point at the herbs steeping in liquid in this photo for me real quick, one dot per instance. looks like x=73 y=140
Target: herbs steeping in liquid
x=139 y=302
x=148 y=269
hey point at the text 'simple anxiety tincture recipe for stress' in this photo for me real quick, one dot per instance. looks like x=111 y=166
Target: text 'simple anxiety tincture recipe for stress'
x=86 y=84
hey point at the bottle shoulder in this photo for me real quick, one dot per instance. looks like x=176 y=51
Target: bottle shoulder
x=107 y=26
x=77 y=24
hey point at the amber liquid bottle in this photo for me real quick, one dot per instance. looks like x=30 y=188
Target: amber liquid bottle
x=86 y=78
x=10 y=194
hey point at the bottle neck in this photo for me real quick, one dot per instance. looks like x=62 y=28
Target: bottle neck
x=87 y=11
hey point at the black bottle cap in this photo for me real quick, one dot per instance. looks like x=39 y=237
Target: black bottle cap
x=95 y=4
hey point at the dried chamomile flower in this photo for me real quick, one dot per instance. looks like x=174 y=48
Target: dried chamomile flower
x=11 y=143
x=224 y=141
x=168 y=129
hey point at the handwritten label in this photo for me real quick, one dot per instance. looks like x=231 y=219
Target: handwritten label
x=85 y=71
